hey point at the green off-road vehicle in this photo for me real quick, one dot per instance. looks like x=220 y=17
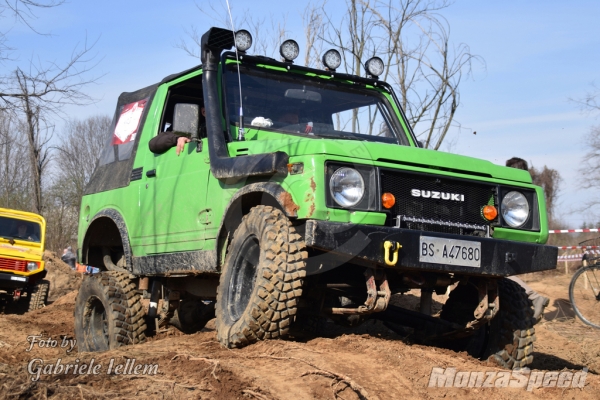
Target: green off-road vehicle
x=302 y=195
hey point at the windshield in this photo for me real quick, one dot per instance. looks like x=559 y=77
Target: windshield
x=12 y=228
x=297 y=104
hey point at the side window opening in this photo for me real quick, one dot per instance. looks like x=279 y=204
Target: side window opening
x=188 y=92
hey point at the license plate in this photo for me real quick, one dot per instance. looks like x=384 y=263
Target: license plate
x=17 y=278
x=450 y=251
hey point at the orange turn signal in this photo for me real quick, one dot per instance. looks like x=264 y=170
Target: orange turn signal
x=490 y=212
x=388 y=200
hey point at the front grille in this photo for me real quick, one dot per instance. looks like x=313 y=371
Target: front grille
x=457 y=211
x=13 y=265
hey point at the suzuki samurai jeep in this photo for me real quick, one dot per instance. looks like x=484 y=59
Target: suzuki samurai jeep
x=303 y=194
x=22 y=272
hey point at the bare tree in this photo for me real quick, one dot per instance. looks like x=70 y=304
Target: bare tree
x=314 y=29
x=24 y=10
x=590 y=167
x=411 y=37
x=33 y=95
x=15 y=179
x=549 y=179
x=75 y=160
x=267 y=33
x=414 y=42
x=78 y=154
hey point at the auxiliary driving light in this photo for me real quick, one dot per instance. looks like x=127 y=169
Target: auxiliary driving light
x=374 y=66
x=289 y=50
x=332 y=59
x=489 y=212
x=243 y=40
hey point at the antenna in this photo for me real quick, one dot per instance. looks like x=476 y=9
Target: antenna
x=241 y=127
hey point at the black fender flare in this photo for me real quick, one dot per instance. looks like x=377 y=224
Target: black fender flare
x=115 y=217
x=235 y=209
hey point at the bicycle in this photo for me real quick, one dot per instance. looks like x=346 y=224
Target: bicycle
x=584 y=292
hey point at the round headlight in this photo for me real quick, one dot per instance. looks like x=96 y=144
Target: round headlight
x=289 y=50
x=243 y=40
x=515 y=209
x=31 y=266
x=374 y=66
x=332 y=59
x=347 y=187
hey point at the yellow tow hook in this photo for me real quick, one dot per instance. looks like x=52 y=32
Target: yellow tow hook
x=395 y=246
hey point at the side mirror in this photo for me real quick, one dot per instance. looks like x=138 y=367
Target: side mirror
x=185 y=119
x=420 y=144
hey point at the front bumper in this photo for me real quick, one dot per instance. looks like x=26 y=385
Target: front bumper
x=366 y=243
x=12 y=281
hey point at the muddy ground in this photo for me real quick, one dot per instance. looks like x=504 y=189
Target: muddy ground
x=369 y=362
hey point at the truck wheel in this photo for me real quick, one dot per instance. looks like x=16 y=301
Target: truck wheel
x=508 y=340
x=261 y=281
x=108 y=312
x=511 y=333
x=192 y=315
x=38 y=295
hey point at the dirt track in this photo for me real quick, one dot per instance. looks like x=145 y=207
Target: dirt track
x=371 y=361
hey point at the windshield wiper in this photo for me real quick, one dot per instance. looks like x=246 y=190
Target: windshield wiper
x=334 y=136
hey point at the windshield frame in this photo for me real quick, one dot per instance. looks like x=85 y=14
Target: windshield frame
x=383 y=92
x=33 y=228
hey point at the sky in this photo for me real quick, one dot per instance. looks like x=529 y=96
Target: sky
x=538 y=55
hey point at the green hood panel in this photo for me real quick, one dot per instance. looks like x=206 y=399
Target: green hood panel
x=375 y=153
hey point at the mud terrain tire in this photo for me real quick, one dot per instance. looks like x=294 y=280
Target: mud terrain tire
x=508 y=340
x=108 y=312
x=38 y=296
x=262 y=278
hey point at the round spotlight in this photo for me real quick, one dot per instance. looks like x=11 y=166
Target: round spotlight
x=243 y=40
x=289 y=50
x=332 y=59
x=374 y=66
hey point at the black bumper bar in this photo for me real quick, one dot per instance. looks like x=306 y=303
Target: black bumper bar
x=13 y=281
x=366 y=242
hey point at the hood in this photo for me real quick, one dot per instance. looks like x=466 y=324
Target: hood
x=386 y=153
x=31 y=251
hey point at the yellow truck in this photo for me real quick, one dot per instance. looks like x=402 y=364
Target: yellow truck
x=22 y=270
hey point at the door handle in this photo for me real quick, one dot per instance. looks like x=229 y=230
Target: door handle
x=151 y=173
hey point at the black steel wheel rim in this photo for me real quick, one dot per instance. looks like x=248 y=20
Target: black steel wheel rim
x=243 y=277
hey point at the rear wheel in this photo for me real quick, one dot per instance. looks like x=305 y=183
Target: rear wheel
x=108 y=312
x=193 y=314
x=261 y=281
x=508 y=339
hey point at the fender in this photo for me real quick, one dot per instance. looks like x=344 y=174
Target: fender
x=237 y=208
x=117 y=219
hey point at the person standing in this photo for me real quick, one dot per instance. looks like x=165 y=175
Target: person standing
x=69 y=257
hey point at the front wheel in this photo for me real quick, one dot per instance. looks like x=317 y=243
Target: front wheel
x=584 y=294
x=38 y=296
x=261 y=281
x=108 y=312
